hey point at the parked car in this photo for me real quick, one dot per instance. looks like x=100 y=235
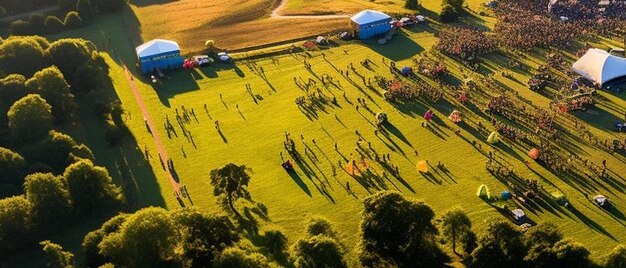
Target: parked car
x=203 y=60
x=224 y=57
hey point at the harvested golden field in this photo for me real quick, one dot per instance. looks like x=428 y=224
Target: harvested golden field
x=233 y=24
x=300 y=7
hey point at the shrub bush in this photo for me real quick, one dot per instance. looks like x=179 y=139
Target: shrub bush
x=36 y=22
x=448 y=14
x=411 y=4
x=20 y=27
x=53 y=24
x=108 y=6
x=73 y=20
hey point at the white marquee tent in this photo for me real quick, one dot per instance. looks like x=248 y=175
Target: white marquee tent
x=156 y=47
x=600 y=67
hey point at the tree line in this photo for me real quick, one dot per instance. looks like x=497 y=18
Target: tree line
x=77 y=14
x=394 y=232
x=47 y=179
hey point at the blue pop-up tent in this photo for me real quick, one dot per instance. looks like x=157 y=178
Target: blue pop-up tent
x=159 y=53
x=506 y=195
x=369 y=23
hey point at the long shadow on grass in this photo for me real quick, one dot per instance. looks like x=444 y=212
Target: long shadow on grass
x=298 y=180
x=396 y=132
x=126 y=163
x=591 y=224
x=391 y=50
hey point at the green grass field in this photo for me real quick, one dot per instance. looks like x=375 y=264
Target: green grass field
x=253 y=132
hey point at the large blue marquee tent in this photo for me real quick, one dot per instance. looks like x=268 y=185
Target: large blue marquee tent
x=369 y=23
x=159 y=54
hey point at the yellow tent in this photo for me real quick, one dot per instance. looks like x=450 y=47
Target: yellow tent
x=483 y=192
x=422 y=166
x=493 y=138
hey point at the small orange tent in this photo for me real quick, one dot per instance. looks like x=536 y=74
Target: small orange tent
x=353 y=167
x=422 y=166
x=534 y=153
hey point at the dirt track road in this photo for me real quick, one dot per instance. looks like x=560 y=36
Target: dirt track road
x=155 y=135
x=276 y=14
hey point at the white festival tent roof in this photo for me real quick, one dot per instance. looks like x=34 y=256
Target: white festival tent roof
x=155 y=47
x=369 y=16
x=599 y=66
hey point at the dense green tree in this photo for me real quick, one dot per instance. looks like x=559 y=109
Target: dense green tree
x=317 y=251
x=448 y=14
x=86 y=10
x=47 y=194
x=12 y=88
x=93 y=258
x=20 y=27
x=469 y=241
x=320 y=226
x=16 y=224
x=235 y=257
x=275 y=242
x=499 y=246
x=30 y=118
x=572 y=255
x=456 y=4
x=83 y=68
x=73 y=20
x=539 y=241
x=36 y=22
x=56 y=257
x=50 y=84
x=146 y=239
x=231 y=183
x=12 y=167
x=411 y=4
x=22 y=55
x=79 y=152
x=399 y=231
x=108 y=6
x=53 y=25
x=54 y=150
x=91 y=188
x=543 y=233
x=616 y=258
x=203 y=236
x=455 y=224
x=18 y=6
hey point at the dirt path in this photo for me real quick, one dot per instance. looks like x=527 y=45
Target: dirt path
x=155 y=135
x=276 y=14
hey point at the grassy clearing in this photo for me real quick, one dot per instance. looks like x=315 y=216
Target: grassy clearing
x=254 y=131
x=253 y=135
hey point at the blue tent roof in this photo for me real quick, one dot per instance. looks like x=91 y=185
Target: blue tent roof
x=155 y=47
x=506 y=195
x=369 y=16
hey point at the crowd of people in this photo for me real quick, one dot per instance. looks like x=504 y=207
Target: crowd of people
x=465 y=42
x=507 y=131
